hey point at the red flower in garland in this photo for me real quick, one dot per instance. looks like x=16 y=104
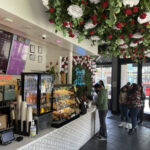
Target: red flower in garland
x=110 y=37
x=51 y=21
x=141 y=31
x=104 y=16
x=51 y=10
x=72 y=35
x=132 y=22
x=94 y=22
x=128 y=11
x=135 y=9
x=141 y=39
x=122 y=51
x=70 y=24
x=143 y=16
x=92 y=32
x=94 y=18
x=105 y=4
x=146 y=24
x=119 y=25
x=65 y=23
x=82 y=22
x=130 y=35
x=125 y=24
x=124 y=56
x=122 y=37
x=70 y=31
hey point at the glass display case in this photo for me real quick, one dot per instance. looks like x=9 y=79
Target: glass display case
x=36 y=91
x=65 y=105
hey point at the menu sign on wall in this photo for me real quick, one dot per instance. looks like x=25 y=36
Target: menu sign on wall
x=5 y=43
x=18 y=55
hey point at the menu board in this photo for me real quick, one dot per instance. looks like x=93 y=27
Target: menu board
x=5 y=44
x=18 y=55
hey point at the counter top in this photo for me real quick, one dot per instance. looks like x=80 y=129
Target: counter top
x=27 y=141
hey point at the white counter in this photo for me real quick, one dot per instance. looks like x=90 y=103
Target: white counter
x=71 y=136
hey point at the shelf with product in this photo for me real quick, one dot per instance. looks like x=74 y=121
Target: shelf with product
x=65 y=105
x=37 y=92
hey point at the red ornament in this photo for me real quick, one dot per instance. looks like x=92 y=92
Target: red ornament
x=82 y=1
x=119 y=25
x=110 y=37
x=82 y=22
x=132 y=22
x=51 y=21
x=94 y=18
x=51 y=10
x=135 y=9
x=143 y=16
x=128 y=11
x=65 y=23
x=105 y=4
x=142 y=39
x=72 y=35
x=92 y=32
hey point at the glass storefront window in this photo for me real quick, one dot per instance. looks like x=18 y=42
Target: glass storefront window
x=128 y=74
x=104 y=73
x=146 y=85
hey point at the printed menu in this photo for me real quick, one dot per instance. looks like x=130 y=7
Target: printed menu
x=18 y=55
x=5 y=44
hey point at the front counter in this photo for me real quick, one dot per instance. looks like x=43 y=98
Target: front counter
x=71 y=136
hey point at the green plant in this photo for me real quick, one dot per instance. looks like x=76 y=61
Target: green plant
x=51 y=69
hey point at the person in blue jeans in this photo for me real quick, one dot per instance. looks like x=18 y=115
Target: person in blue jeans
x=134 y=104
x=123 y=107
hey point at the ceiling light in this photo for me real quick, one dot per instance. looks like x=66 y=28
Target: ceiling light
x=58 y=41
x=8 y=19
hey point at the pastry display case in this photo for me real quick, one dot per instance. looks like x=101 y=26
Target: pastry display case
x=65 y=105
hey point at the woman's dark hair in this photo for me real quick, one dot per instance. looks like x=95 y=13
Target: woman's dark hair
x=134 y=88
x=121 y=90
x=101 y=83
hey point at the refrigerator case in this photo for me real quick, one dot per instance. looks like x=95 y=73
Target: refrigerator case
x=37 y=91
x=65 y=105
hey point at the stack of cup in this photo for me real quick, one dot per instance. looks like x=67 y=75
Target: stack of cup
x=23 y=116
x=29 y=118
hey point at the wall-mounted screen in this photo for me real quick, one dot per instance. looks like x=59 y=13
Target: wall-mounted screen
x=18 y=55
x=5 y=44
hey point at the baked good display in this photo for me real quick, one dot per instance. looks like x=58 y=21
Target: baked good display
x=65 y=105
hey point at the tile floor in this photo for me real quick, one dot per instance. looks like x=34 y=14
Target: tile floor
x=118 y=139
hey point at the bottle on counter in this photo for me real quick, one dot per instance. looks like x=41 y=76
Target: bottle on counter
x=33 y=129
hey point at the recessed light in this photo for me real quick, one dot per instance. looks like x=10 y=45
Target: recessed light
x=58 y=41
x=8 y=19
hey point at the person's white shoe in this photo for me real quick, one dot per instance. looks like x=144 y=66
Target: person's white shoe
x=129 y=125
x=126 y=125
x=121 y=124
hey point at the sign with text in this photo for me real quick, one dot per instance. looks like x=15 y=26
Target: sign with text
x=79 y=77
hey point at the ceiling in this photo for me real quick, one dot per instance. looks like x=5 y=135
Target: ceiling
x=33 y=32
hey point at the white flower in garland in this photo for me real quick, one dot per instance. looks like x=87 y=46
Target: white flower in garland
x=131 y=3
x=45 y=3
x=133 y=44
x=95 y=38
x=121 y=42
x=115 y=28
x=95 y=1
x=124 y=46
x=147 y=18
x=89 y=25
x=137 y=36
x=75 y=11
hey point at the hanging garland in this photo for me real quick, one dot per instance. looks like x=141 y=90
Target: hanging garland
x=121 y=25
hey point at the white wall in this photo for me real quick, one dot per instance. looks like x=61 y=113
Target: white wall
x=35 y=65
x=33 y=11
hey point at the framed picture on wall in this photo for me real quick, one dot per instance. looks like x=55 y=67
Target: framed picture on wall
x=40 y=51
x=32 y=57
x=39 y=59
x=32 y=48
